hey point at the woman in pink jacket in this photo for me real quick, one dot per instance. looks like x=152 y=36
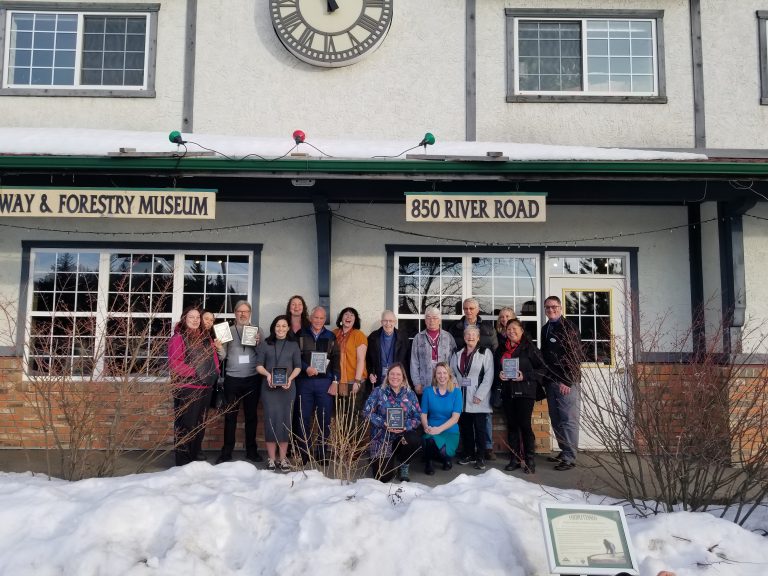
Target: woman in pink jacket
x=194 y=367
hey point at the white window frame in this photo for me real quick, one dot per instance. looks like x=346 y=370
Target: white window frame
x=515 y=16
x=81 y=10
x=762 y=34
x=103 y=314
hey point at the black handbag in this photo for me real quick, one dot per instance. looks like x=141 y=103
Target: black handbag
x=496 y=401
x=217 y=396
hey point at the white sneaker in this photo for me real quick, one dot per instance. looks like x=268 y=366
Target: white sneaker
x=284 y=465
x=271 y=465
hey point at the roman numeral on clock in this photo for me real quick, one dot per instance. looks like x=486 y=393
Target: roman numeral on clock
x=307 y=37
x=368 y=23
x=292 y=21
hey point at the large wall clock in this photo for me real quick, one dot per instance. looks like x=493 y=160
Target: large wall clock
x=331 y=33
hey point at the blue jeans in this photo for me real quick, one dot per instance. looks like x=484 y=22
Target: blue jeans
x=313 y=401
x=564 y=416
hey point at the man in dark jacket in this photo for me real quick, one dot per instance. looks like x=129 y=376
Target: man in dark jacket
x=319 y=370
x=488 y=339
x=561 y=348
x=385 y=347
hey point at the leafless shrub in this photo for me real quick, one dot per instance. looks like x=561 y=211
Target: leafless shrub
x=689 y=434
x=345 y=458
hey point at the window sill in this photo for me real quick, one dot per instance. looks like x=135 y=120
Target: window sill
x=588 y=99
x=77 y=92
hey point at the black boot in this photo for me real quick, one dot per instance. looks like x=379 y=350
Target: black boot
x=514 y=464
x=530 y=465
x=429 y=453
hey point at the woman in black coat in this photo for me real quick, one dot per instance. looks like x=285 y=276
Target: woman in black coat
x=519 y=394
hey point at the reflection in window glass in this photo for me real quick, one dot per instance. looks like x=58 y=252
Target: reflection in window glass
x=444 y=281
x=590 y=310
x=599 y=266
x=71 y=333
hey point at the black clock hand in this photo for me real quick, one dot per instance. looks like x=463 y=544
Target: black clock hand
x=332 y=6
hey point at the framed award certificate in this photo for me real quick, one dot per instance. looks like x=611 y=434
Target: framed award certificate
x=587 y=539
x=250 y=336
x=396 y=418
x=511 y=368
x=223 y=332
x=318 y=361
x=279 y=376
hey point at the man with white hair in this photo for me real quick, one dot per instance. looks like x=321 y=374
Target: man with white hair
x=386 y=346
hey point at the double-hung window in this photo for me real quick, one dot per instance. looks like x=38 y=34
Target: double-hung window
x=567 y=56
x=109 y=312
x=96 y=52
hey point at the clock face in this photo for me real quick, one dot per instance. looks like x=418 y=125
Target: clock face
x=331 y=33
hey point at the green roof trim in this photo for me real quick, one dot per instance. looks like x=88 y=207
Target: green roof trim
x=364 y=167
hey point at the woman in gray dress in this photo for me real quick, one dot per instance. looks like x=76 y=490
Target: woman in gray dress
x=279 y=361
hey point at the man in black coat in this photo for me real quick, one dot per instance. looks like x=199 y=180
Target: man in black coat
x=561 y=348
x=386 y=346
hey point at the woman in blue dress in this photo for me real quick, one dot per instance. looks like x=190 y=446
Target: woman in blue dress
x=440 y=411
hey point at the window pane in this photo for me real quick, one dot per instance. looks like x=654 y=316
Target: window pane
x=642 y=66
x=66 y=41
x=597 y=47
x=548 y=52
x=43 y=40
x=642 y=84
x=619 y=47
x=21 y=39
x=621 y=83
x=65 y=59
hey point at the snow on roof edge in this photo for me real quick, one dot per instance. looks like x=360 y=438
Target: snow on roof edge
x=90 y=142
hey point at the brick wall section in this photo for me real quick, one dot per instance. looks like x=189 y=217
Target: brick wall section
x=679 y=397
x=148 y=415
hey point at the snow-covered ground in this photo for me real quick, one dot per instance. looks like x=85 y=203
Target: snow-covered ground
x=235 y=519
x=87 y=142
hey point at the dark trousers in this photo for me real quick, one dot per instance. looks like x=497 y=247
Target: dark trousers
x=472 y=431
x=237 y=392
x=188 y=427
x=404 y=446
x=522 y=442
x=313 y=402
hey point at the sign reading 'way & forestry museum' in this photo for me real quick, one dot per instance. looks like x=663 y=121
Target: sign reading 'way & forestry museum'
x=481 y=207
x=108 y=203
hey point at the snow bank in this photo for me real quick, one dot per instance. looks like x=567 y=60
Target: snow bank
x=235 y=519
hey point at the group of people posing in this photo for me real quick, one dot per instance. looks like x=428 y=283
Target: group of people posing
x=435 y=393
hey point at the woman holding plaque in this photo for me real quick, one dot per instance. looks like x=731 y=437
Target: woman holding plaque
x=353 y=344
x=194 y=368
x=518 y=393
x=473 y=368
x=440 y=412
x=279 y=361
x=395 y=417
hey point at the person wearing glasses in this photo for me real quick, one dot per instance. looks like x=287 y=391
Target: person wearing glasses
x=242 y=386
x=386 y=346
x=561 y=349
